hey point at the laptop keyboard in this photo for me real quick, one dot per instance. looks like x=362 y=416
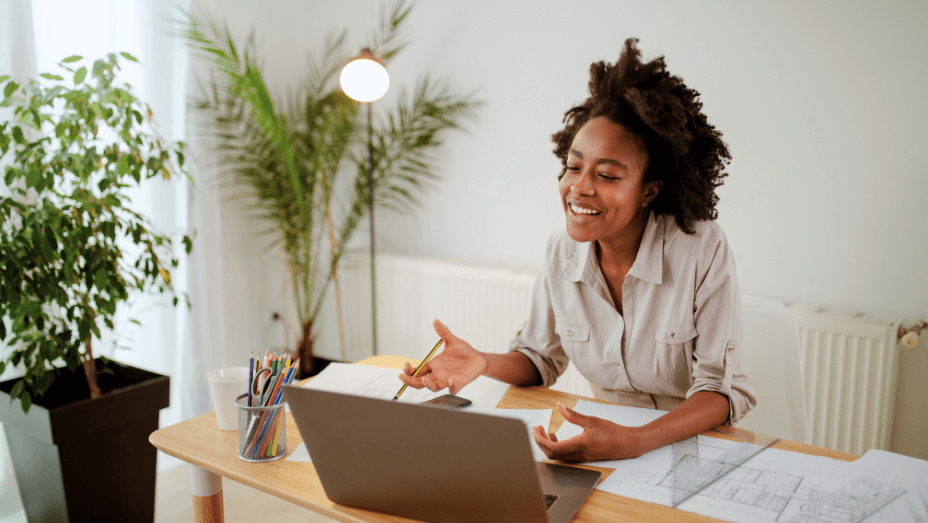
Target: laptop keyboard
x=549 y=500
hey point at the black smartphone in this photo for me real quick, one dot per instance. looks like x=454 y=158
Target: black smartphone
x=448 y=401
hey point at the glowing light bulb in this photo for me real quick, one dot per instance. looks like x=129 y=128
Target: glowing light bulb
x=364 y=79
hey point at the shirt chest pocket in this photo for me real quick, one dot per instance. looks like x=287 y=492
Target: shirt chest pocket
x=573 y=335
x=673 y=342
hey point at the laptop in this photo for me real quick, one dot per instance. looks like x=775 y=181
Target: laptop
x=432 y=464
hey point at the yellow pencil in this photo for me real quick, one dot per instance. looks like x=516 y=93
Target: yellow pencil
x=421 y=365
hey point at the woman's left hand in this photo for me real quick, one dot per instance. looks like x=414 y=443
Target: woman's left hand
x=601 y=440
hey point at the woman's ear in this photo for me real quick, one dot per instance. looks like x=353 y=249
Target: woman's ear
x=651 y=190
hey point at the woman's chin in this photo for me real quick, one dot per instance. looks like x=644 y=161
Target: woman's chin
x=579 y=234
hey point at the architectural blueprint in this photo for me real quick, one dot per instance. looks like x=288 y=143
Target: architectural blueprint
x=773 y=486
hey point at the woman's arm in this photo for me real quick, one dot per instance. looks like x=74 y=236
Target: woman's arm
x=604 y=440
x=512 y=367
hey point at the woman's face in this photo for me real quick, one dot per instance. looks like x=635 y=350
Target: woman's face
x=602 y=191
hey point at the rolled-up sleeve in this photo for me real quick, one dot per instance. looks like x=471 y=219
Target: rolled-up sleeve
x=718 y=319
x=537 y=339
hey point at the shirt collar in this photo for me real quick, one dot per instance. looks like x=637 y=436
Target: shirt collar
x=648 y=266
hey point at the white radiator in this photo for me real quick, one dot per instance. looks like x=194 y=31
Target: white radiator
x=849 y=365
x=849 y=360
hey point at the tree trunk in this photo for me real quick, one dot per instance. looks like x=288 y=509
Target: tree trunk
x=304 y=351
x=90 y=371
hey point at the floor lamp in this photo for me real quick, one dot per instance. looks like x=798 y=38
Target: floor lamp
x=364 y=79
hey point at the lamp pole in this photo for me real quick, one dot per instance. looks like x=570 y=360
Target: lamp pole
x=365 y=79
x=370 y=203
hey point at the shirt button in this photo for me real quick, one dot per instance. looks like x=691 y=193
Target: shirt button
x=620 y=364
x=730 y=348
x=673 y=334
x=570 y=332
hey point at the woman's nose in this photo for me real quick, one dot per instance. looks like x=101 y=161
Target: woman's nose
x=584 y=186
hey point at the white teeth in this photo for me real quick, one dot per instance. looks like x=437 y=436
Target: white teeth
x=582 y=210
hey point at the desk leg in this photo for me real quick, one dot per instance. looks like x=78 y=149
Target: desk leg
x=207 y=495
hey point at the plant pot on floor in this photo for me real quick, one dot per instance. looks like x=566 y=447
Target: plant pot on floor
x=82 y=459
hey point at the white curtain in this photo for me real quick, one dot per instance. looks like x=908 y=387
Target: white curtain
x=184 y=344
x=17 y=59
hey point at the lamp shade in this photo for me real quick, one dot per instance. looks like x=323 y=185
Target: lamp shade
x=364 y=79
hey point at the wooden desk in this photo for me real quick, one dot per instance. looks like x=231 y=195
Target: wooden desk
x=213 y=455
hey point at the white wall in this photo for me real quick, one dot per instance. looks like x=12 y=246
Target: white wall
x=822 y=104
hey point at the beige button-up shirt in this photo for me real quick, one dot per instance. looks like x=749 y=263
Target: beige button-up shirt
x=681 y=328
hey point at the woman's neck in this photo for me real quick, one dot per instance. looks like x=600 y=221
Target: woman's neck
x=622 y=251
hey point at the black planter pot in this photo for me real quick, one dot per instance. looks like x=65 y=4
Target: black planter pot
x=319 y=364
x=78 y=459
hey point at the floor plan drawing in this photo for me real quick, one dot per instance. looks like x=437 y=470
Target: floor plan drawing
x=783 y=497
x=773 y=486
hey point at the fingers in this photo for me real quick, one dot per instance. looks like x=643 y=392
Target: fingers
x=539 y=431
x=567 y=450
x=434 y=383
x=443 y=332
x=575 y=417
x=409 y=369
x=415 y=383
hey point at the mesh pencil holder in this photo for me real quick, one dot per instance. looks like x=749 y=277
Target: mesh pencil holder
x=262 y=431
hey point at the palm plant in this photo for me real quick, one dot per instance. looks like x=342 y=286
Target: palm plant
x=307 y=166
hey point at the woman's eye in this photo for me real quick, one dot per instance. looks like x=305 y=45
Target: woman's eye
x=608 y=177
x=573 y=168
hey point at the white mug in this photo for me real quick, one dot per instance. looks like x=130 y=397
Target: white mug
x=226 y=385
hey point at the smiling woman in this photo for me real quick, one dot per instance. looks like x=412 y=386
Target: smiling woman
x=640 y=290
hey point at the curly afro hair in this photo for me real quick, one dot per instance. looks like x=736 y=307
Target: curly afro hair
x=684 y=151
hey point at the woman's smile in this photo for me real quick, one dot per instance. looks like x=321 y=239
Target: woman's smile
x=579 y=209
x=603 y=190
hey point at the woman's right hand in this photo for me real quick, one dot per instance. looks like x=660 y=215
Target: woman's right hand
x=457 y=365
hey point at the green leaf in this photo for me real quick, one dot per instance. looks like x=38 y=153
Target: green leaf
x=80 y=75
x=123 y=166
x=2 y=336
x=44 y=381
x=17 y=389
x=26 y=402
x=33 y=178
x=51 y=77
x=10 y=89
x=72 y=58
x=100 y=278
x=4 y=78
x=128 y=56
x=18 y=135
x=2 y=367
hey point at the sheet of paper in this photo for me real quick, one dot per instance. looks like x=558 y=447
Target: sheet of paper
x=378 y=382
x=773 y=486
x=778 y=485
x=300 y=454
x=913 y=474
x=531 y=418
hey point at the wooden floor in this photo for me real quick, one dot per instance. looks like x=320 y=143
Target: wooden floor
x=175 y=505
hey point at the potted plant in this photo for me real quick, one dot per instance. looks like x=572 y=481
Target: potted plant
x=306 y=167
x=72 y=250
